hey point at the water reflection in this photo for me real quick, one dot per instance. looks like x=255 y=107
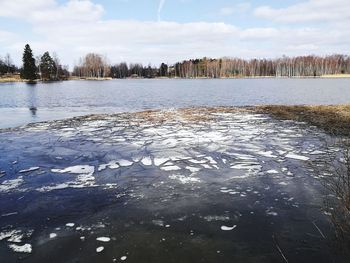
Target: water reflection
x=33 y=111
x=32 y=98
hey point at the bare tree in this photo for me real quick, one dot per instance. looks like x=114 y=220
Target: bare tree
x=8 y=62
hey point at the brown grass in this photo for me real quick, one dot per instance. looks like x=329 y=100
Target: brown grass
x=10 y=78
x=334 y=119
x=194 y=114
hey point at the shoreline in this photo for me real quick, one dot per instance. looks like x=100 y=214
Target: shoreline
x=335 y=76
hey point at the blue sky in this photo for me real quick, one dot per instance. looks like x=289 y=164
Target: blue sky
x=185 y=11
x=154 y=31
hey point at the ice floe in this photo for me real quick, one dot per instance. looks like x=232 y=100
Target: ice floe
x=170 y=168
x=110 y=165
x=99 y=249
x=9 y=185
x=146 y=161
x=10 y=234
x=77 y=169
x=26 y=248
x=31 y=169
x=297 y=157
x=125 y=163
x=160 y=160
x=103 y=239
x=228 y=228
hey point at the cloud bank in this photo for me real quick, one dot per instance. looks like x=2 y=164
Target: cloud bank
x=76 y=27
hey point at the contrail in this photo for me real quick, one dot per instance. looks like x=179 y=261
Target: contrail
x=160 y=7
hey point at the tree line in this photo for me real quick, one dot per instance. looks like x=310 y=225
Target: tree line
x=302 y=66
x=92 y=65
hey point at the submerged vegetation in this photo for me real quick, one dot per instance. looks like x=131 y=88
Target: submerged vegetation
x=337 y=181
x=334 y=119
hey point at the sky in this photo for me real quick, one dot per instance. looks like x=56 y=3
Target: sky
x=155 y=31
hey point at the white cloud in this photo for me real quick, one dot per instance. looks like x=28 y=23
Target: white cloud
x=20 y=8
x=308 y=11
x=49 y=11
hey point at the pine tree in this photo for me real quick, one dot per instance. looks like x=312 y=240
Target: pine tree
x=47 y=67
x=29 y=68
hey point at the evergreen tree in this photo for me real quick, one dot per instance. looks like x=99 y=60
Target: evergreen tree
x=29 y=68
x=163 y=70
x=47 y=67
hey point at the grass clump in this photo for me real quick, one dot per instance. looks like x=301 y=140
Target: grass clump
x=334 y=119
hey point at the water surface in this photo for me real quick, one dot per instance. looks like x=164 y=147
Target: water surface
x=22 y=103
x=234 y=188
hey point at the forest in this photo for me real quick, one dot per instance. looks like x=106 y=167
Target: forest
x=48 y=67
x=302 y=66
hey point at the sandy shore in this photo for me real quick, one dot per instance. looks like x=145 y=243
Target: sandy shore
x=336 y=76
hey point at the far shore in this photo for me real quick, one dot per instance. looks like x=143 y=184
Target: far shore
x=335 y=76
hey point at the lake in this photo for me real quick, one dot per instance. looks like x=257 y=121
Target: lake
x=23 y=103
